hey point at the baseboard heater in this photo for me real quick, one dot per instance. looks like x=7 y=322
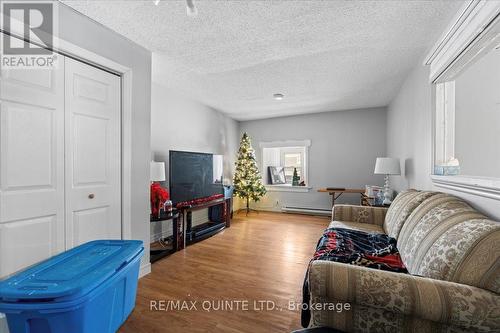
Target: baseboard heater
x=305 y=210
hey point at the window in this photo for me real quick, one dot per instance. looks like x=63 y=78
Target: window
x=290 y=155
x=291 y=159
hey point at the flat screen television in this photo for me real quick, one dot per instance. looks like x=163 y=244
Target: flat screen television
x=194 y=175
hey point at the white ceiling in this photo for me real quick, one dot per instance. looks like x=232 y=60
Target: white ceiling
x=322 y=55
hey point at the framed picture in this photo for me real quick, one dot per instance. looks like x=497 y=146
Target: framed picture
x=276 y=175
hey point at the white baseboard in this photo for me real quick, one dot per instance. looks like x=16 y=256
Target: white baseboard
x=144 y=270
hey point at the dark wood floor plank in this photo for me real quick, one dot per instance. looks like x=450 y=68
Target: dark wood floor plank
x=261 y=257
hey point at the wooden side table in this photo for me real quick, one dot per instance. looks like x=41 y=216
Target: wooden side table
x=336 y=192
x=161 y=251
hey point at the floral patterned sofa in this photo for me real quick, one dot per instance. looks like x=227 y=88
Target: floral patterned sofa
x=451 y=252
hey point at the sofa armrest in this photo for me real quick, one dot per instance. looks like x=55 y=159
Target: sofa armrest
x=360 y=214
x=404 y=295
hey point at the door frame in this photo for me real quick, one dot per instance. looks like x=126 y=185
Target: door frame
x=88 y=57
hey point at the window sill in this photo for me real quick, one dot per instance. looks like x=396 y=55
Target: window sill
x=481 y=186
x=287 y=188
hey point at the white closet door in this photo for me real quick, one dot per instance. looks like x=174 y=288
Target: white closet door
x=93 y=193
x=31 y=166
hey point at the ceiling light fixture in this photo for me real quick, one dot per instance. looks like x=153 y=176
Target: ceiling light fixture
x=278 y=97
x=157 y=2
x=191 y=8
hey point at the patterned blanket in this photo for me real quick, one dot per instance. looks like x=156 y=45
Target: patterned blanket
x=356 y=248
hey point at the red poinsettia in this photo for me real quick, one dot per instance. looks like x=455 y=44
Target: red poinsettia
x=158 y=196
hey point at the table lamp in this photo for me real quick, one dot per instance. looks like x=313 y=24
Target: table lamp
x=157 y=171
x=158 y=195
x=387 y=166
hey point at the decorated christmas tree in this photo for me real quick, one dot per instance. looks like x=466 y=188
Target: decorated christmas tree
x=247 y=182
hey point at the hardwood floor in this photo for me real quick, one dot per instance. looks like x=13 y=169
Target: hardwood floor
x=262 y=257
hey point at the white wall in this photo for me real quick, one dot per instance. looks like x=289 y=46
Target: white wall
x=178 y=123
x=409 y=137
x=409 y=132
x=344 y=146
x=88 y=34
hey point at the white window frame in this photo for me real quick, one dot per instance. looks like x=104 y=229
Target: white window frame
x=472 y=33
x=295 y=144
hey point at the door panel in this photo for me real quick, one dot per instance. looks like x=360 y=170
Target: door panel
x=18 y=167
x=23 y=243
x=93 y=198
x=18 y=205
x=91 y=222
x=90 y=171
x=33 y=86
x=93 y=90
x=31 y=166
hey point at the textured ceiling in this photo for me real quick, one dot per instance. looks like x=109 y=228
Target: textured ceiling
x=322 y=55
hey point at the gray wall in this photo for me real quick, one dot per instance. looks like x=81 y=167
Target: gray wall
x=344 y=146
x=178 y=123
x=409 y=137
x=87 y=34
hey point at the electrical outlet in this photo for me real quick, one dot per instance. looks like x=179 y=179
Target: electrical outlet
x=277 y=203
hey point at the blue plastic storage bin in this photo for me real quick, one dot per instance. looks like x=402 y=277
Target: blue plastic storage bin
x=88 y=289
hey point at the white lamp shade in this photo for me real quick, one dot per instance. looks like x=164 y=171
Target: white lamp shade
x=387 y=166
x=157 y=171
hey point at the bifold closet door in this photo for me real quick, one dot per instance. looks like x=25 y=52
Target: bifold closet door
x=93 y=154
x=31 y=166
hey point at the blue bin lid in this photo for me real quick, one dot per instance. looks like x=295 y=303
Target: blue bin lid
x=71 y=274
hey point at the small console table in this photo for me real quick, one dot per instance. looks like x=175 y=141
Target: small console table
x=177 y=242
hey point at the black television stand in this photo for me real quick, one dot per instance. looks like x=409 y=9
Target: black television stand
x=210 y=228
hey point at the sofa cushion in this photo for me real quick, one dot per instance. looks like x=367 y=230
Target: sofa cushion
x=357 y=226
x=446 y=239
x=361 y=214
x=466 y=253
x=401 y=208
